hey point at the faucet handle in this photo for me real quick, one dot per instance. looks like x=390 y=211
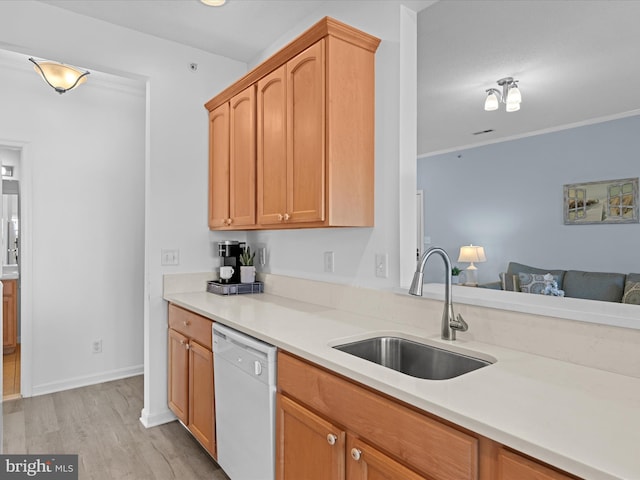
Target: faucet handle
x=459 y=324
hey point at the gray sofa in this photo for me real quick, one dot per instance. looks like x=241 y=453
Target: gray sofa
x=608 y=287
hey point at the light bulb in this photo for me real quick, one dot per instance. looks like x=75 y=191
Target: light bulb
x=512 y=107
x=514 y=96
x=491 y=102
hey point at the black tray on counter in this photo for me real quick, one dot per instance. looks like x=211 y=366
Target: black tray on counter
x=234 y=288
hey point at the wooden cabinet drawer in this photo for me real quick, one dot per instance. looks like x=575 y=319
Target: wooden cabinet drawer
x=514 y=466
x=191 y=325
x=425 y=444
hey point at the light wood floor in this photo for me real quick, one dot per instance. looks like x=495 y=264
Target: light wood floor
x=11 y=375
x=100 y=424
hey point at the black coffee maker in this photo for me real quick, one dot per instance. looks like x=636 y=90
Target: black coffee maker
x=229 y=252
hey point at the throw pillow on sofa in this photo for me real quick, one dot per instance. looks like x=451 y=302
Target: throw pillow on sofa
x=632 y=289
x=533 y=282
x=515 y=268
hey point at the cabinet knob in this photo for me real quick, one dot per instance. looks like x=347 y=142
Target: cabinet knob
x=280 y=217
x=186 y=323
x=331 y=439
x=356 y=454
x=229 y=221
x=187 y=346
x=286 y=217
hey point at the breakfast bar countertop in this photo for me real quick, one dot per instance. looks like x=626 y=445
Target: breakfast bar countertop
x=582 y=420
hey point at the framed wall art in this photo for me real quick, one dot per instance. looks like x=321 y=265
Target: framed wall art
x=603 y=202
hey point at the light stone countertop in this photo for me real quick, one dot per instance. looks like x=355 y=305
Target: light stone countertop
x=582 y=420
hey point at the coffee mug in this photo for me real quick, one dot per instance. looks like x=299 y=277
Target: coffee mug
x=226 y=272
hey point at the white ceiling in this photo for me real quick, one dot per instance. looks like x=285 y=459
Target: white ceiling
x=240 y=29
x=576 y=60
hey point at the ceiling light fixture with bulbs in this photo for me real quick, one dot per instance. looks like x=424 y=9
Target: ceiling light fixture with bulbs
x=61 y=78
x=510 y=96
x=213 y=3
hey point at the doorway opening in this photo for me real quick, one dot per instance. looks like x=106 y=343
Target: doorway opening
x=10 y=235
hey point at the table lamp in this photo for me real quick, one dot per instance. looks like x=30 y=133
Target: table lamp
x=471 y=254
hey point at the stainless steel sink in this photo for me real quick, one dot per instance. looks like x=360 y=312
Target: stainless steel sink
x=412 y=358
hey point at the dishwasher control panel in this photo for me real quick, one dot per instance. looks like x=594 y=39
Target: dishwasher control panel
x=246 y=353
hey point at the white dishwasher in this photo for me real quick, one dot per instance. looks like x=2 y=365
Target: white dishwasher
x=245 y=388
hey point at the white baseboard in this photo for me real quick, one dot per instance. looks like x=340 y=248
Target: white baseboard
x=154 y=419
x=84 y=381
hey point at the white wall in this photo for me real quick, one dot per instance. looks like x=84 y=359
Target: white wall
x=86 y=191
x=176 y=177
x=508 y=197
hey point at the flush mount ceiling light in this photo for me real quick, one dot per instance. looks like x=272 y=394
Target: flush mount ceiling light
x=214 y=3
x=510 y=96
x=61 y=78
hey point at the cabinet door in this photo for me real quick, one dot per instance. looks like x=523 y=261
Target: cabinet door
x=9 y=316
x=512 y=466
x=307 y=446
x=219 y=167
x=201 y=400
x=272 y=148
x=242 y=158
x=366 y=463
x=179 y=375
x=306 y=135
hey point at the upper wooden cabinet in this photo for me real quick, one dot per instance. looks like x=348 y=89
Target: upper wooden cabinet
x=291 y=134
x=272 y=148
x=313 y=137
x=232 y=162
x=219 y=166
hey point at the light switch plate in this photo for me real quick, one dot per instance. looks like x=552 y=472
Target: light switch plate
x=328 y=262
x=170 y=257
x=382 y=265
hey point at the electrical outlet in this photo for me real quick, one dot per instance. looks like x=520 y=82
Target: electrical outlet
x=170 y=257
x=382 y=265
x=262 y=256
x=328 y=262
x=96 y=346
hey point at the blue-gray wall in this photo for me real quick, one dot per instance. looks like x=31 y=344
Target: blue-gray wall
x=508 y=197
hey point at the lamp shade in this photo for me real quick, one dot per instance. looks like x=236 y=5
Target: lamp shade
x=61 y=77
x=514 y=95
x=472 y=254
x=491 y=102
x=512 y=107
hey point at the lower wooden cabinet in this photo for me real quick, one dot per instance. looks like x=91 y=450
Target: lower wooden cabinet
x=412 y=442
x=510 y=466
x=312 y=448
x=365 y=462
x=9 y=316
x=179 y=375
x=190 y=374
x=307 y=446
x=331 y=428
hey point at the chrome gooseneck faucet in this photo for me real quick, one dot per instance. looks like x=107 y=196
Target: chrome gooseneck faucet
x=450 y=323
